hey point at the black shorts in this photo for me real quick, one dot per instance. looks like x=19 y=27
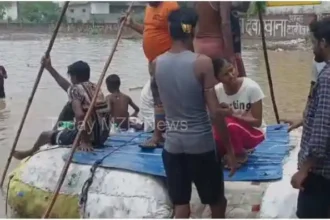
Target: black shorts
x=64 y=137
x=314 y=201
x=67 y=136
x=202 y=169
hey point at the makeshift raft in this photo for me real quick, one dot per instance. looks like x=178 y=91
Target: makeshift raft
x=130 y=182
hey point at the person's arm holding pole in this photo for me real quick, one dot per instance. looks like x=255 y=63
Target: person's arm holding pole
x=34 y=89
x=130 y=22
x=80 y=131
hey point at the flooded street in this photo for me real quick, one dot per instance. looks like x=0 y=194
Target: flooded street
x=291 y=72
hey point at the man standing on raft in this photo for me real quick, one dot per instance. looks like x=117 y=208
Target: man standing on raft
x=313 y=176
x=183 y=87
x=156 y=40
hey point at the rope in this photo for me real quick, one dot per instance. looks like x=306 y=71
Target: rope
x=88 y=182
x=269 y=75
x=89 y=112
x=35 y=86
x=84 y=191
x=7 y=194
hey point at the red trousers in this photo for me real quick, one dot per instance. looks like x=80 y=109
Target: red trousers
x=242 y=136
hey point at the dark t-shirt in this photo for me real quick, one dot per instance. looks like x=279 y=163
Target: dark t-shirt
x=99 y=123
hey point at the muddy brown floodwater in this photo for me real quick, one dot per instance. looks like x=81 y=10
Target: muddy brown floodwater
x=291 y=72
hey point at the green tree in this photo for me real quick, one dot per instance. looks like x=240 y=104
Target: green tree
x=253 y=8
x=39 y=12
x=3 y=7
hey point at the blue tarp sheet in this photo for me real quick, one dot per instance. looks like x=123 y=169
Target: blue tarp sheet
x=122 y=152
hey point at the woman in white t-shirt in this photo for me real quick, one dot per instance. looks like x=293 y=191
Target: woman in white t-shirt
x=244 y=117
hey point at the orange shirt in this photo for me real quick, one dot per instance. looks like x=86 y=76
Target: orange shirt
x=156 y=37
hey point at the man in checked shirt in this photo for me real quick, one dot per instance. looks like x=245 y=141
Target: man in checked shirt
x=313 y=175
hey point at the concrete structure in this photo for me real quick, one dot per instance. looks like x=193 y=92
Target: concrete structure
x=324 y=7
x=99 y=12
x=11 y=11
x=284 y=22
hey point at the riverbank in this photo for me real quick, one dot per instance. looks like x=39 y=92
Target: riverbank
x=247 y=44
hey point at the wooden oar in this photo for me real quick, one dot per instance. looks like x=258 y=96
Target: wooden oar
x=90 y=109
x=269 y=75
x=34 y=89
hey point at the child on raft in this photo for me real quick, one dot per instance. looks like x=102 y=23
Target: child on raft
x=244 y=98
x=118 y=103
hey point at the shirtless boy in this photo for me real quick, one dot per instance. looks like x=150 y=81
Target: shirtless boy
x=118 y=103
x=156 y=40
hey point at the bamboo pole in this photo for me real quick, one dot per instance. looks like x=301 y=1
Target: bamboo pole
x=75 y=143
x=34 y=89
x=270 y=81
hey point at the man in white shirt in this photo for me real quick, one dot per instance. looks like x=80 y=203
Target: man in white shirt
x=317 y=67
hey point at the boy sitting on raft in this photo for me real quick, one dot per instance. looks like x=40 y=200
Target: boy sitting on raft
x=80 y=93
x=119 y=102
x=243 y=97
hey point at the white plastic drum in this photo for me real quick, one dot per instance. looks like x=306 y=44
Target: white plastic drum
x=113 y=194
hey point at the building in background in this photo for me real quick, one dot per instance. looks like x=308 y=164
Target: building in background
x=100 y=12
x=10 y=11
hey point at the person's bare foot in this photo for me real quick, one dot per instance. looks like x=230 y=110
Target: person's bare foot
x=154 y=141
x=241 y=159
x=20 y=155
x=85 y=147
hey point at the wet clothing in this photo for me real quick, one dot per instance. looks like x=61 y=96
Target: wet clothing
x=241 y=102
x=202 y=169
x=156 y=37
x=316 y=69
x=314 y=201
x=66 y=114
x=178 y=86
x=316 y=131
x=236 y=31
x=3 y=76
x=189 y=153
x=237 y=42
x=2 y=88
x=210 y=46
x=210 y=41
x=243 y=137
x=98 y=126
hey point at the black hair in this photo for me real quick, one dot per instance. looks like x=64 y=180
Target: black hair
x=180 y=17
x=154 y=4
x=113 y=82
x=80 y=70
x=321 y=29
x=218 y=65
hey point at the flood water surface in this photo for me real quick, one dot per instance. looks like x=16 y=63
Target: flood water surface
x=291 y=72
